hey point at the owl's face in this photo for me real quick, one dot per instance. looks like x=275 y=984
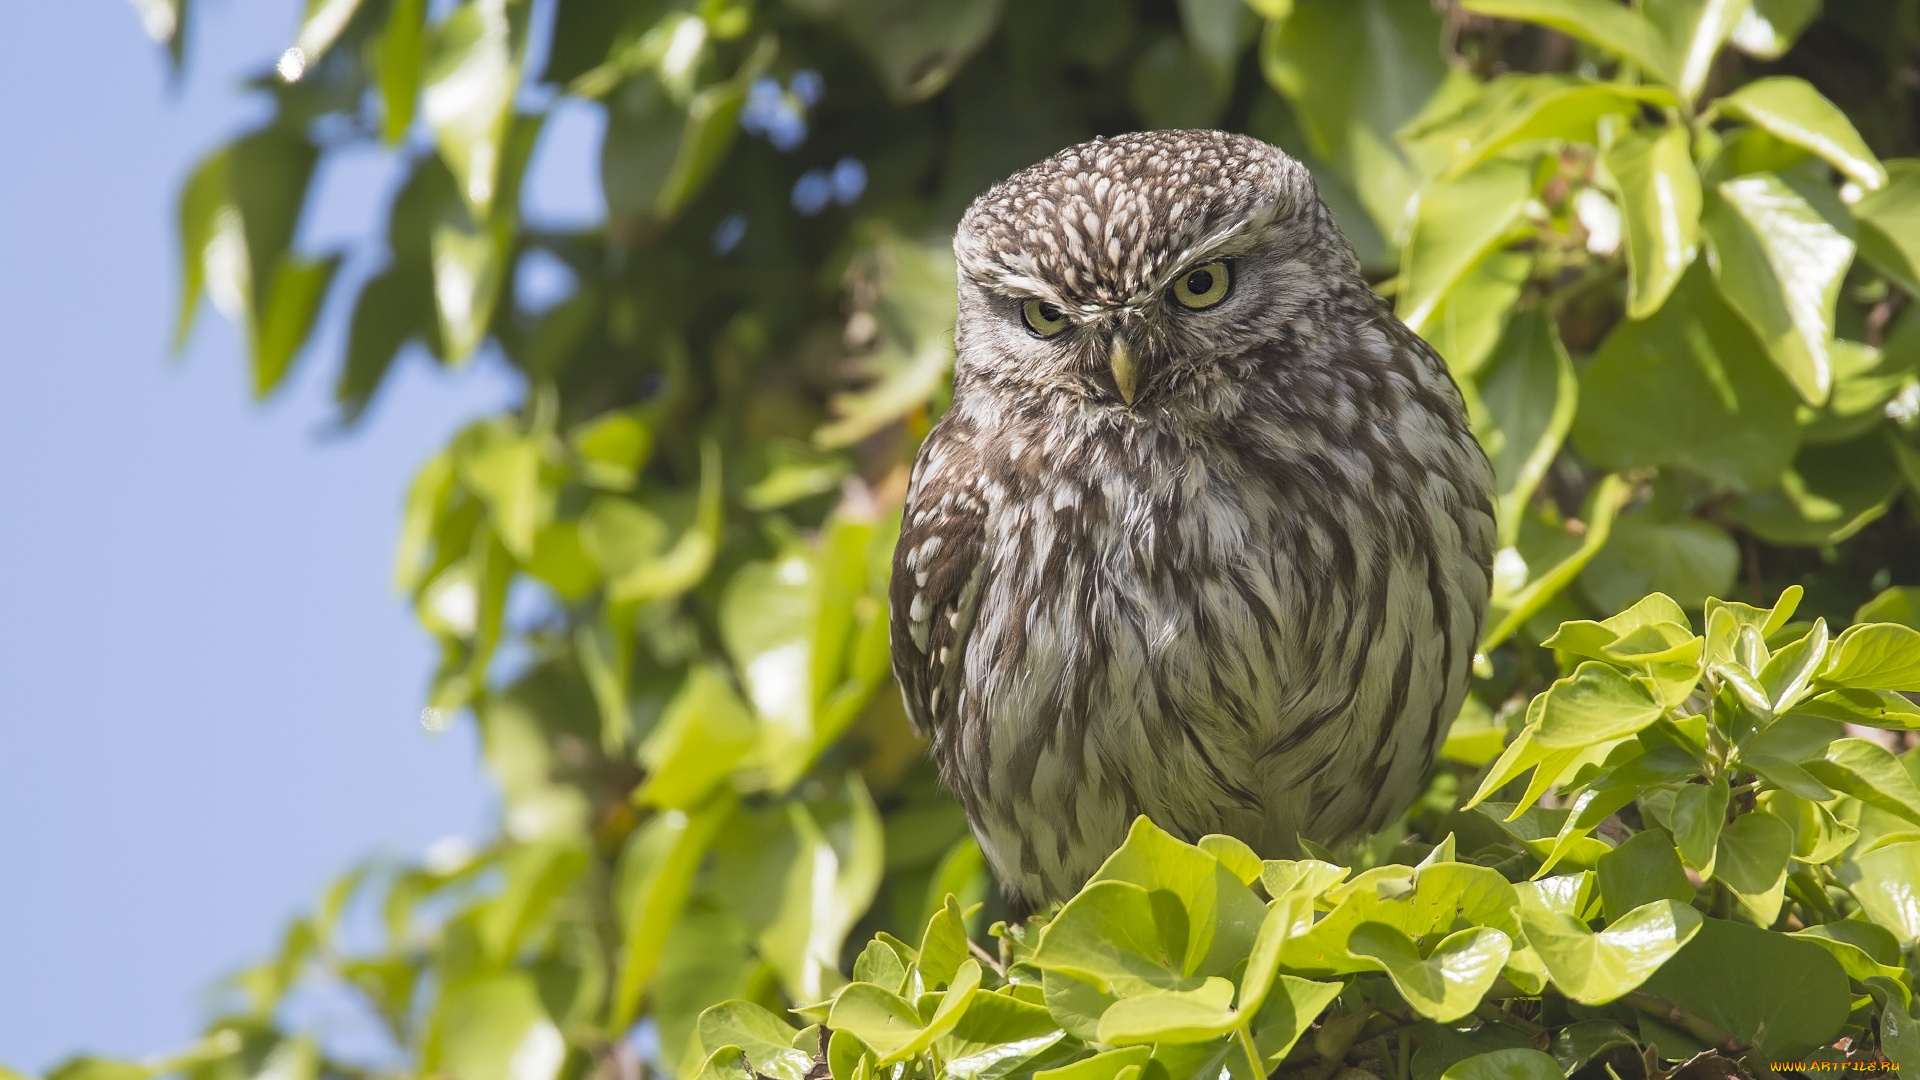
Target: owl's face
x=1123 y=271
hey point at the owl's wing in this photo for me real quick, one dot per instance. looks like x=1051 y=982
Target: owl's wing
x=938 y=567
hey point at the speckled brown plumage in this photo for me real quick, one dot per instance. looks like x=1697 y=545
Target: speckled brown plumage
x=1246 y=600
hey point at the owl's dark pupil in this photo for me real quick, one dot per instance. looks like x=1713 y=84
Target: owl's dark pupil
x=1200 y=282
x=1049 y=313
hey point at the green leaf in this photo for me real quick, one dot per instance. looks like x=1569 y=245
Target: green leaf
x=1659 y=192
x=1119 y=938
x=703 y=734
x=1582 y=1041
x=1444 y=898
x=1219 y=30
x=725 y=1063
x=1515 y=109
x=612 y=448
x=1792 y=111
x=536 y=875
x=471 y=69
x=1694 y=31
x=1883 y=881
x=1751 y=861
x=1221 y=914
x=1235 y=855
x=1781 y=995
x=1869 y=772
x=493 y=1027
x=766 y=1039
x=1865 y=950
x=1778 y=263
x=503 y=467
x=1830 y=493
x=1900 y=604
x=1356 y=73
x=1445 y=985
x=654 y=877
x=1643 y=869
x=1621 y=31
x=1687 y=558
x=1309 y=876
x=1529 y=391
x=1594 y=704
x=1101 y=1066
x=1595 y=968
x=203 y=201
x=916 y=47
x=1519 y=1064
x=1872 y=708
x=1288 y=1011
x=943 y=947
x=1473 y=317
x=1698 y=813
x=823 y=889
x=1768 y=27
x=1875 y=656
x=1454 y=225
x=1888 y=221
x=1546 y=559
x=398 y=57
x=883 y=1020
x=1171 y=1016
x=998 y=1036
x=469 y=264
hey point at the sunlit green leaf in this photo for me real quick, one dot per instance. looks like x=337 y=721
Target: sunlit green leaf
x=1794 y=112
x=1659 y=192
x=1779 y=263
x=1593 y=968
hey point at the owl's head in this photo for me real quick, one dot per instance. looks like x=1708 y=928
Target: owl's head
x=1123 y=269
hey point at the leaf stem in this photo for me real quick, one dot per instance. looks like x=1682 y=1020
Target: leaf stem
x=1244 y=1035
x=986 y=958
x=1705 y=1030
x=1487 y=1010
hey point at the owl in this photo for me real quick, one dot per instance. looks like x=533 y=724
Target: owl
x=1204 y=535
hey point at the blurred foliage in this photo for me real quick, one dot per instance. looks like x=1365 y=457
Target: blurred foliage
x=1670 y=250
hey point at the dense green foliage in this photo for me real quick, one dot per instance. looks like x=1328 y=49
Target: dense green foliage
x=1669 y=250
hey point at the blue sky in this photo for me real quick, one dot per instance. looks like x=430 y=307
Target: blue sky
x=208 y=691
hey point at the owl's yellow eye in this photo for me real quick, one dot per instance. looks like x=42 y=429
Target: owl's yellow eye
x=1044 y=319
x=1203 y=286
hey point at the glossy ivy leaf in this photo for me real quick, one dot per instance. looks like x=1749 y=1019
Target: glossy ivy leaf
x=1171 y=1016
x=1643 y=869
x=1723 y=412
x=493 y=1027
x=1234 y=854
x=999 y=1036
x=1899 y=604
x=1751 y=861
x=1869 y=708
x=1444 y=985
x=1882 y=880
x=1699 y=811
x=822 y=890
x=1875 y=656
x=1595 y=968
x=1106 y=1065
x=1865 y=950
x=1829 y=494
x=1889 y=225
x=1516 y=1064
x=1515 y=109
x=1659 y=192
x=1792 y=111
x=1625 y=33
x=1455 y=224
x=1221 y=914
x=766 y=1039
x=1443 y=898
x=1869 y=772
x=1778 y=994
x=504 y=467
x=1594 y=704
x=1778 y=263
x=1530 y=393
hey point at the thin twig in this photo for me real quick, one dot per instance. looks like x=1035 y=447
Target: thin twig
x=986 y=958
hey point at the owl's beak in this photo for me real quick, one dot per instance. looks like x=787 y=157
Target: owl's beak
x=1126 y=368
